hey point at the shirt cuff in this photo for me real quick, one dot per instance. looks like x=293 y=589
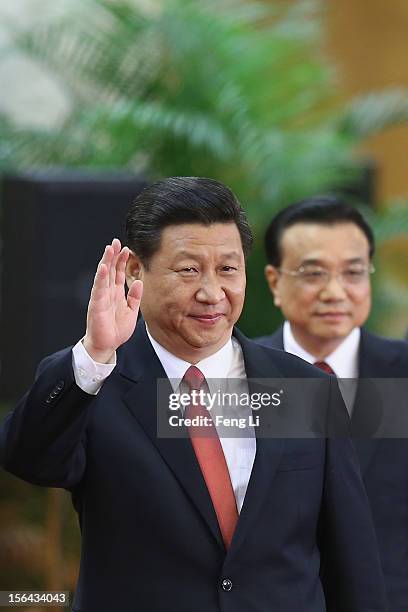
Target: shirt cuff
x=89 y=374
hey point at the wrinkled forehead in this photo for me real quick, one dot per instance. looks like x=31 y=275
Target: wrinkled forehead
x=191 y=239
x=322 y=243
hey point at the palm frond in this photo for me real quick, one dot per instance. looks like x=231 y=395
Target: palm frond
x=230 y=88
x=372 y=113
x=390 y=222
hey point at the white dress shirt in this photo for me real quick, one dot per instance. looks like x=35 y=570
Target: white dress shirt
x=226 y=363
x=343 y=360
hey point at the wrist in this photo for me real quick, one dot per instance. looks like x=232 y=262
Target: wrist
x=97 y=354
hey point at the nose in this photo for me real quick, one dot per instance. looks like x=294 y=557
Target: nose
x=333 y=290
x=210 y=291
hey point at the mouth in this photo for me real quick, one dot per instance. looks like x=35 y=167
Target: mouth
x=208 y=319
x=332 y=316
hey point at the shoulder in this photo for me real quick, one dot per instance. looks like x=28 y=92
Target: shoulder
x=380 y=346
x=295 y=364
x=274 y=340
x=265 y=340
x=381 y=357
x=266 y=359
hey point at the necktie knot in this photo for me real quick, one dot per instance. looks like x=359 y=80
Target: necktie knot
x=194 y=378
x=322 y=365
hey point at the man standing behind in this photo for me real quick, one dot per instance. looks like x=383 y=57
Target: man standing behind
x=246 y=524
x=319 y=255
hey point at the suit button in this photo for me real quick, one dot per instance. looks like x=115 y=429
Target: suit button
x=226 y=584
x=60 y=385
x=53 y=394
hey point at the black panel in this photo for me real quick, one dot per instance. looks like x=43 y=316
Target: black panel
x=54 y=229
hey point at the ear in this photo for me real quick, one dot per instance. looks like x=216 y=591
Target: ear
x=134 y=269
x=272 y=278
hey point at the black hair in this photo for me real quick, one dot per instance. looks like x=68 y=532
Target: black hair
x=178 y=200
x=322 y=209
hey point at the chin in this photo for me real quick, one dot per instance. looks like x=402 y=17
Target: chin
x=205 y=339
x=334 y=333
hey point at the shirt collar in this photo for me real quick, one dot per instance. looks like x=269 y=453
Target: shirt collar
x=215 y=366
x=343 y=360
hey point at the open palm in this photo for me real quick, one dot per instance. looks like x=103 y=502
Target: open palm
x=112 y=315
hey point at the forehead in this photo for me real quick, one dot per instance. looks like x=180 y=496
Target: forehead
x=200 y=239
x=326 y=243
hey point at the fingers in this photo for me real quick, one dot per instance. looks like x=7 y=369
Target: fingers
x=135 y=295
x=121 y=267
x=111 y=269
x=100 y=280
x=116 y=249
x=116 y=245
x=109 y=260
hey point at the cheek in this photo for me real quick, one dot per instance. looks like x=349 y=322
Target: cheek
x=362 y=305
x=158 y=300
x=298 y=301
x=179 y=300
x=361 y=299
x=236 y=295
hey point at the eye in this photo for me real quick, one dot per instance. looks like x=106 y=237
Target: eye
x=354 y=275
x=354 y=272
x=315 y=274
x=188 y=270
x=228 y=269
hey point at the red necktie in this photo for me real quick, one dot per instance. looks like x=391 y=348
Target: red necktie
x=210 y=456
x=322 y=365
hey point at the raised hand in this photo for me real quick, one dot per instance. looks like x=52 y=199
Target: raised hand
x=112 y=316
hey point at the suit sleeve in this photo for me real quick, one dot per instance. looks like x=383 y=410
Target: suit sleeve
x=43 y=440
x=347 y=538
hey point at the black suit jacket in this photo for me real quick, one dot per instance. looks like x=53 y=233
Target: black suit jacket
x=384 y=462
x=150 y=537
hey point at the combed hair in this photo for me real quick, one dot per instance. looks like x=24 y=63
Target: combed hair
x=322 y=209
x=179 y=200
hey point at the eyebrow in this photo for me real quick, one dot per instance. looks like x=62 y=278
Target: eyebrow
x=318 y=262
x=195 y=255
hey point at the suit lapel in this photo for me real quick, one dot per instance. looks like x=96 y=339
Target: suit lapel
x=140 y=364
x=376 y=360
x=273 y=341
x=372 y=364
x=268 y=451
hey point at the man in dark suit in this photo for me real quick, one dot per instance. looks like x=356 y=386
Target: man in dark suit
x=320 y=254
x=206 y=523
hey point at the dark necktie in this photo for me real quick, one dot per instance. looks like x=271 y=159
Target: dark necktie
x=322 y=365
x=210 y=456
